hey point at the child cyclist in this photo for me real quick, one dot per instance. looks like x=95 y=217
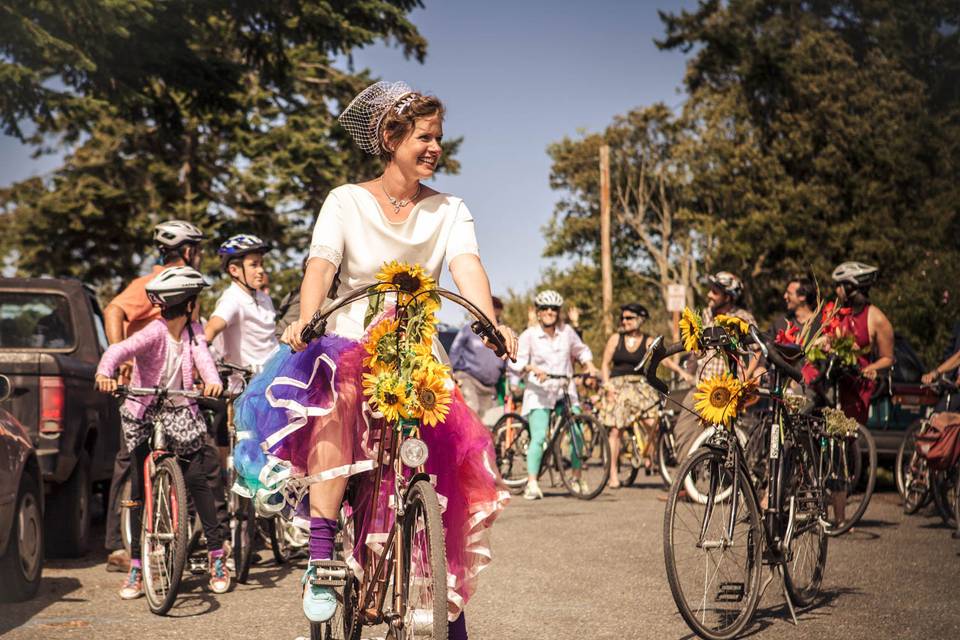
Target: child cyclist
x=164 y=354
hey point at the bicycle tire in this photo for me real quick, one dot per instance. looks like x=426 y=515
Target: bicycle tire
x=423 y=527
x=911 y=472
x=692 y=491
x=511 y=437
x=163 y=564
x=864 y=437
x=589 y=437
x=243 y=531
x=956 y=501
x=278 y=541
x=126 y=519
x=626 y=470
x=667 y=463
x=679 y=509
x=944 y=494
x=807 y=552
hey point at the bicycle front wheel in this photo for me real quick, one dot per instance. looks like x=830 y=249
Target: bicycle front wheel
x=912 y=473
x=713 y=551
x=944 y=493
x=581 y=452
x=511 y=439
x=629 y=458
x=243 y=531
x=806 y=555
x=424 y=581
x=279 y=544
x=850 y=485
x=163 y=540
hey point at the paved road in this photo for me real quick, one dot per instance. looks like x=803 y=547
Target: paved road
x=563 y=569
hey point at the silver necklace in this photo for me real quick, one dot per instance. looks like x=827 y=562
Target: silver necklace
x=399 y=204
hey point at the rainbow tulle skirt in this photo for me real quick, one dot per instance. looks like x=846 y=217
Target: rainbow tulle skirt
x=303 y=419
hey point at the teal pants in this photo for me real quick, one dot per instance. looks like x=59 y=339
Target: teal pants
x=539 y=421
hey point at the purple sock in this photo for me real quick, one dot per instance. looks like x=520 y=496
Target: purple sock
x=322 y=533
x=457 y=630
x=135 y=562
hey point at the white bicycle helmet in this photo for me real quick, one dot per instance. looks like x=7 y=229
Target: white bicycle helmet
x=728 y=283
x=856 y=273
x=173 y=234
x=548 y=298
x=174 y=285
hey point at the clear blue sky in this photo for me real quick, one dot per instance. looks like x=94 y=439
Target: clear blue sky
x=515 y=76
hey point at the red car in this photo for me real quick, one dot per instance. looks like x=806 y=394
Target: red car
x=21 y=508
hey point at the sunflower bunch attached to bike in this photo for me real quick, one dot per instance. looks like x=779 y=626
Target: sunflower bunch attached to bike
x=721 y=526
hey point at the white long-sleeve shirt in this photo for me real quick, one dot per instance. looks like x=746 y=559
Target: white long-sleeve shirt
x=553 y=355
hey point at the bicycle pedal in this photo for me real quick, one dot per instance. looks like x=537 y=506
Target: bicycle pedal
x=329 y=573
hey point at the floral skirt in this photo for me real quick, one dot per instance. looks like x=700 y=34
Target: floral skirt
x=634 y=396
x=183 y=430
x=304 y=416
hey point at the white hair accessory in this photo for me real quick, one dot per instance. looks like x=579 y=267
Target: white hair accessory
x=363 y=115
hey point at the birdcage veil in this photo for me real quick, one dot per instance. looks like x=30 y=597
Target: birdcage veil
x=363 y=115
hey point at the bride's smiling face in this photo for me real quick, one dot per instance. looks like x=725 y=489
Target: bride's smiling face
x=420 y=151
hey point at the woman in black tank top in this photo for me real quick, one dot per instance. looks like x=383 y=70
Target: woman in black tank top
x=628 y=400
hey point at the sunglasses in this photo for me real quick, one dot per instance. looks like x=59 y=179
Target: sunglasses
x=622 y=318
x=549 y=308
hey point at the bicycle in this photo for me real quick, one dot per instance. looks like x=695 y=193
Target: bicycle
x=575 y=442
x=915 y=480
x=846 y=460
x=413 y=562
x=165 y=530
x=714 y=552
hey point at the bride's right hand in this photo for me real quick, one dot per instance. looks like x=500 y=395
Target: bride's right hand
x=291 y=335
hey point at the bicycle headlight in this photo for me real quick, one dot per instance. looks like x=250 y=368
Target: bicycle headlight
x=413 y=452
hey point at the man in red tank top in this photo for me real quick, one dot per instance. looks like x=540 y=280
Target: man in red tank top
x=872 y=332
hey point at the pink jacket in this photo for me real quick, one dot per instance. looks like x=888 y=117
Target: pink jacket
x=148 y=349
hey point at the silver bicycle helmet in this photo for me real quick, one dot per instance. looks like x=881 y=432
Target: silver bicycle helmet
x=856 y=273
x=173 y=234
x=728 y=283
x=548 y=298
x=174 y=285
x=240 y=245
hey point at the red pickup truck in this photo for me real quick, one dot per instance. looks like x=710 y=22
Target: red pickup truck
x=51 y=339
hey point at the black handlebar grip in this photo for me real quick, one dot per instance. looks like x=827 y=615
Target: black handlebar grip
x=313 y=330
x=492 y=334
x=774 y=356
x=659 y=355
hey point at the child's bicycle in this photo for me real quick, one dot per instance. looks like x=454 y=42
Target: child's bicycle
x=165 y=531
x=577 y=449
x=413 y=563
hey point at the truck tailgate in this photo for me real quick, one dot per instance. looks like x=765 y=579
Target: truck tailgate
x=23 y=369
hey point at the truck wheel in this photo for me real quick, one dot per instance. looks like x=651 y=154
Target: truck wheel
x=22 y=564
x=68 y=527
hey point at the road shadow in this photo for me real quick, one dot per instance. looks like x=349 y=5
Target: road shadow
x=52 y=590
x=267 y=576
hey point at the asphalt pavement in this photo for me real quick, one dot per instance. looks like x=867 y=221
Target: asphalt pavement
x=563 y=569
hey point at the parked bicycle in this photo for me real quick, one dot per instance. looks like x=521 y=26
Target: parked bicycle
x=715 y=551
x=577 y=449
x=914 y=478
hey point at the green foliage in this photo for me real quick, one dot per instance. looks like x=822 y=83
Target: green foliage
x=222 y=113
x=814 y=132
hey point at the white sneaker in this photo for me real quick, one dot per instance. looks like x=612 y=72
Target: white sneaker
x=532 y=492
x=580 y=486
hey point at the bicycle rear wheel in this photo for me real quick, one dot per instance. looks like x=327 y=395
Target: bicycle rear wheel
x=163 y=539
x=911 y=471
x=243 y=532
x=581 y=451
x=278 y=541
x=423 y=584
x=713 y=551
x=850 y=485
x=629 y=459
x=944 y=494
x=511 y=438
x=806 y=555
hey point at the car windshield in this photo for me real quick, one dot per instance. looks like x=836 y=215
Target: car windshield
x=30 y=320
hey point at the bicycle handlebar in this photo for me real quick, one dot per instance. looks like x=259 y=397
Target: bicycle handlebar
x=124 y=390
x=482 y=326
x=656 y=353
x=771 y=351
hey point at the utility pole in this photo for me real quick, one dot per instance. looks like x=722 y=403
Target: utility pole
x=606 y=266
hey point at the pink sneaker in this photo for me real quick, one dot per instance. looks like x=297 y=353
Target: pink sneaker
x=133 y=586
x=219 y=573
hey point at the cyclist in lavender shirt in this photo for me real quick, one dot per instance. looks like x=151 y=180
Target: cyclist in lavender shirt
x=476 y=368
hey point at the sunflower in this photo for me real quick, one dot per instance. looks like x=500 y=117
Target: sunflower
x=382 y=343
x=430 y=399
x=421 y=328
x=409 y=280
x=387 y=392
x=718 y=399
x=733 y=322
x=691 y=330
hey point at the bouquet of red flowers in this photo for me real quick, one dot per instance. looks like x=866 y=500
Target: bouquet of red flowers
x=836 y=337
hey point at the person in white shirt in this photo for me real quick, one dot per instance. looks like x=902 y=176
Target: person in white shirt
x=244 y=313
x=549 y=348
